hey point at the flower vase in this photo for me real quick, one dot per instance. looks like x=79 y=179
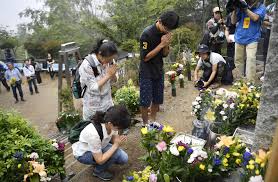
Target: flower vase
x=181 y=83
x=213 y=133
x=35 y=178
x=174 y=91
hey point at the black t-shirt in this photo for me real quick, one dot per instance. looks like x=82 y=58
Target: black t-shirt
x=150 y=39
x=232 y=28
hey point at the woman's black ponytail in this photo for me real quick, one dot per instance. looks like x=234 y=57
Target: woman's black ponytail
x=105 y=48
x=98 y=117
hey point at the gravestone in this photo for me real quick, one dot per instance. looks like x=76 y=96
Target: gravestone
x=268 y=111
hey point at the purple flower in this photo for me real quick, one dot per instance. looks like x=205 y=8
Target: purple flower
x=245 y=163
x=161 y=127
x=130 y=178
x=18 y=155
x=189 y=151
x=153 y=178
x=226 y=150
x=247 y=156
x=217 y=161
x=183 y=144
x=61 y=146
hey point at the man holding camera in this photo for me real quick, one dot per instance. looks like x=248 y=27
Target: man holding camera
x=248 y=15
x=29 y=72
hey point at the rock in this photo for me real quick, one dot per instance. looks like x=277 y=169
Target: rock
x=268 y=111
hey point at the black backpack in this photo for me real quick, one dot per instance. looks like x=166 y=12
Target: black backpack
x=76 y=130
x=77 y=90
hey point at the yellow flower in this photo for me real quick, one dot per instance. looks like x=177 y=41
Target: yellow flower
x=144 y=130
x=228 y=156
x=238 y=161
x=244 y=89
x=225 y=141
x=168 y=129
x=257 y=172
x=262 y=156
x=258 y=95
x=251 y=162
x=180 y=148
x=236 y=154
x=225 y=161
x=251 y=166
x=258 y=161
x=202 y=166
x=262 y=165
x=210 y=116
x=217 y=102
x=226 y=164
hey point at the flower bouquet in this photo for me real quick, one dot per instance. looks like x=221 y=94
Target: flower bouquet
x=12 y=81
x=172 y=78
x=181 y=80
x=147 y=175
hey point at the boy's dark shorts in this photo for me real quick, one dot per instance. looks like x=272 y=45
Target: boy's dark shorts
x=151 y=91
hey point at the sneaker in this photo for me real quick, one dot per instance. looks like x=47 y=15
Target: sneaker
x=23 y=100
x=105 y=176
x=31 y=93
x=16 y=102
x=37 y=92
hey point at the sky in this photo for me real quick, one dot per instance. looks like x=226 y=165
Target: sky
x=9 y=10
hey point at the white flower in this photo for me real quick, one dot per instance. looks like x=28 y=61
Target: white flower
x=195 y=110
x=54 y=141
x=55 y=145
x=221 y=91
x=190 y=160
x=236 y=84
x=210 y=170
x=232 y=106
x=222 y=112
x=34 y=155
x=224 y=118
x=170 y=73
x=174 y=150
x=248 y=83
x=251 y=87
x=256 y=179
x=198 y=106
x=181 y=76
x=180 y=66
x=198 y=98
x=217 y=153
x=44 y=179
x=225 y=106
x=231 y=94
x=195 y=103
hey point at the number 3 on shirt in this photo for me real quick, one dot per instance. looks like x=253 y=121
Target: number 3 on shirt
x=246 y=22
x=145 y=45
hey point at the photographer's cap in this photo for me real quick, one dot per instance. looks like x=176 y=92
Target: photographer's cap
x=202 y=49
x=217 y=9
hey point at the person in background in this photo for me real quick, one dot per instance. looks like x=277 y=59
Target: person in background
x=96 y=73
x=230 y=37
x=214 y=37
x=2 y=77
x=29 y=73
x=267 y=24
x=213 y=65
x=14 y=77
x=248 y=32
x=154 y=45
x=50 y=62
x=37 y=68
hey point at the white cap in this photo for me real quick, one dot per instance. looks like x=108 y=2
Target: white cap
x=217 y=9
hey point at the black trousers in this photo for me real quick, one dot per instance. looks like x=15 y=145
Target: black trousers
x=51 y=73
x=17 y=86
x=231 y=54
x=32 y=80
x=4 y=82
x=38 y=76
x=219 y=75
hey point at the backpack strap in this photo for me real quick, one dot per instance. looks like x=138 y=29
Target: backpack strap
x=99 y=130
x=95 y=70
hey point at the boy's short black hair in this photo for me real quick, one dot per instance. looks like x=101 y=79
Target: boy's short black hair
x=170 y=20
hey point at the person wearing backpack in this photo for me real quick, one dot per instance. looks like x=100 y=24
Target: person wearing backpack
x=94 y=147
x=96 y=72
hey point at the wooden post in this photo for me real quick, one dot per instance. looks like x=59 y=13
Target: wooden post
x=67 y=70
x=272 y=174
x=60 y=83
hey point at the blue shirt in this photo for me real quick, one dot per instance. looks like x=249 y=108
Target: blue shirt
x=252 y=34
x=14 y=73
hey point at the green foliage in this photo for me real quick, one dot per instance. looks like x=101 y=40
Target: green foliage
x=128 y=96
x=130 y=45
x=18 y=136
x=67 y=120
x=67 y=99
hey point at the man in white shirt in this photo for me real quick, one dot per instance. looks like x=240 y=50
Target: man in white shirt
x=29 y=73
x=213 y=65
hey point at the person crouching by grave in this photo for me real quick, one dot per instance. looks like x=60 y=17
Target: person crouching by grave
x=14 y=77
x=96 y=73
x=93 y=147
x=154 y=45
x=214 y=37
x=29 y=73
x=213 y=65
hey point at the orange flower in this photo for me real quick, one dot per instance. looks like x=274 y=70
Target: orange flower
x=244 y=89
x=225 y=141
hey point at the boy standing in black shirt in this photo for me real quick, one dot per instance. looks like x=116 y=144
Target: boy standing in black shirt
x=154 y=45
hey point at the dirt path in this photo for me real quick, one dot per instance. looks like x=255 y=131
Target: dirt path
x=41 y=110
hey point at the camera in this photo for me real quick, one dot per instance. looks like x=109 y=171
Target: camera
x=231 y=4
x=200 y=84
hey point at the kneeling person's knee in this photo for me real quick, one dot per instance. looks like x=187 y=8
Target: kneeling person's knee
x=122 y=157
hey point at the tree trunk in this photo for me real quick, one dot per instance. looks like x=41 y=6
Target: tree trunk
x=268 y=111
